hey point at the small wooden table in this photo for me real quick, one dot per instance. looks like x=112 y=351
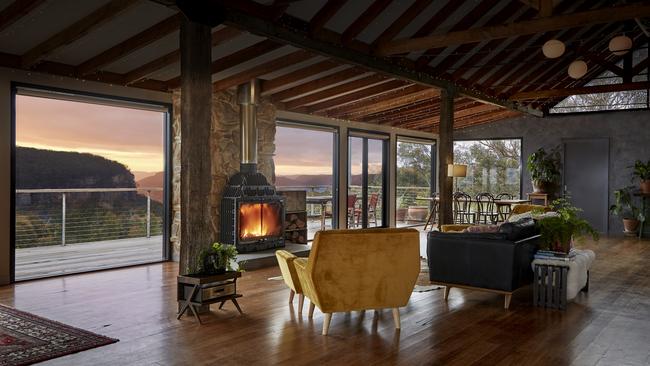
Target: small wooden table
x=200 y=290
x=322 y=201
x=538 y=198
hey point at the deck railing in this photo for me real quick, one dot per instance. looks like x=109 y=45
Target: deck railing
x=47 y=217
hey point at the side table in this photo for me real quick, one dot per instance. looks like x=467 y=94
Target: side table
x=199 y=290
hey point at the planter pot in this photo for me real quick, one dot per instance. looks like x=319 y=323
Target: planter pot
x=400 y=215
x=210 y=264
x=417 y=213
x=645 y=186
x=631 y=225
x=540 y=187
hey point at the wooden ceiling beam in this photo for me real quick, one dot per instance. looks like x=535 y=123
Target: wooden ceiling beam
x=305 y=74
x=324 y=15
x=16 y=11
x=265 y=68
x=315 y=86
x=357 y=96
x=541 y=25
x=75 y=31
x=386 y=101
x=402 y=21
x=290 y=30
x=359 y=24
x=132 y=44
x=337 y=91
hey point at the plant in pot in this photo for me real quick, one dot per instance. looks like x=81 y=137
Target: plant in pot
x=544 y=168
x=217 y=259
x=625 y=209
x=559 y=231
x=642 y=171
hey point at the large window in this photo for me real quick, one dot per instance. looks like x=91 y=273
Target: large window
x=493 y=166
x=619 y=100
x=305 y=161
x=90 y=183
x=415 y=179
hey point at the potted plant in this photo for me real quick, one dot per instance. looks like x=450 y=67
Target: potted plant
x=217 y=259
x=559 y=231
x=625 y=209
x=544 y=168
x=642 y=171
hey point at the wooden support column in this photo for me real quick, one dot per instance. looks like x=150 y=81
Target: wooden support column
x=196 y=110
x=445 y=155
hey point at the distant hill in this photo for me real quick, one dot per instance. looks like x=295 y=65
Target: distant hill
x=139 y=175
x=157 y=180
x=37 y=168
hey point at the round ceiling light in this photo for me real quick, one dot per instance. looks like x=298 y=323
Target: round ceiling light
x=577 y=69
x=553 y=48
x=620 y=45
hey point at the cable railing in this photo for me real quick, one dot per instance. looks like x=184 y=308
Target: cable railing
x=46 y=217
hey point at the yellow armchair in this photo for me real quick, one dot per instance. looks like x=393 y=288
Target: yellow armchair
x=360 y=269
x=286 y=262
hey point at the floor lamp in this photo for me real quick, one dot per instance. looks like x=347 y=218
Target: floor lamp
x=456 y=171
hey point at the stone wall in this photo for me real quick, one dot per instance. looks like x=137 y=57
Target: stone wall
x=628 y=134
x=224 y=145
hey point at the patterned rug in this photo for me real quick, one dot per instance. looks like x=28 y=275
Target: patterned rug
x=26 y=339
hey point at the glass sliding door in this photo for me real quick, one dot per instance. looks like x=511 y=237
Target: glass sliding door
x=367 y=162
x=415 y=180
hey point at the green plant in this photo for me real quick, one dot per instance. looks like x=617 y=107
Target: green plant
x=217 y=257
x=624 y=207
x=558 y=231
x=545 y=167
x=641 y=170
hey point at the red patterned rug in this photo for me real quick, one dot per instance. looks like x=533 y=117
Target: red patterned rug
x=26 y=339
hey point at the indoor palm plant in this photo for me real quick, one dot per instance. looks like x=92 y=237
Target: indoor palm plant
x=625 y=208
x=642 y=171
x=217 y=259
x=558 y=231
x=544 y=168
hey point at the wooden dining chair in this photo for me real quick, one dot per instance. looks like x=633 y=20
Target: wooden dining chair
x=463 y=208
x=503 y=211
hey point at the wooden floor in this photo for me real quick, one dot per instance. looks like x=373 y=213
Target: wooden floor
x=56 y=260
x=608 y=326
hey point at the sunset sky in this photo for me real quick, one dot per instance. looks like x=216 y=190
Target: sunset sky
x=133 y=137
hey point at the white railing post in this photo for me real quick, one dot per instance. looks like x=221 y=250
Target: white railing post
x=63 y=219
x=148 y=214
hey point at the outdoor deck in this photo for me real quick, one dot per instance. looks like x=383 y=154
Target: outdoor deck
x=55 y=260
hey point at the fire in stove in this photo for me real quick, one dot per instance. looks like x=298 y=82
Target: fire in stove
x=258 y=220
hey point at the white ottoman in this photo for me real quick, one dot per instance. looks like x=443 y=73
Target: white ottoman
x=554 y=283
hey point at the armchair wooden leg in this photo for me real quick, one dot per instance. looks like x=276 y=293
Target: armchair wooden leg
x=396 y=319
x=311 y=310
x=447 y=289
x=506 y=304
x=291 y=296
x=301 y=300
x=326 y=323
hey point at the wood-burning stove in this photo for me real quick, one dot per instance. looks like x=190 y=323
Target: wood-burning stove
x=252 y=213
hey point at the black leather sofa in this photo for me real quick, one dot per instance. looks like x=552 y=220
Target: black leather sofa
x=496 y=262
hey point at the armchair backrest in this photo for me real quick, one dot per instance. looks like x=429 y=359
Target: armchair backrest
x=363 y=269
x=519 y=209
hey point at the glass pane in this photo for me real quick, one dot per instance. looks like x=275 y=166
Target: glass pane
x=355 y=177
x=493 y=166
x=375 y=182
x=260 y=220
x=304 y=160
x=413 y=183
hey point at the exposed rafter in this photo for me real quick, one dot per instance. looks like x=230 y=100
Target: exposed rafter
x=16 y=11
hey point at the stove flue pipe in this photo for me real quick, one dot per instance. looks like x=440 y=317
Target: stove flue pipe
x=248 y=98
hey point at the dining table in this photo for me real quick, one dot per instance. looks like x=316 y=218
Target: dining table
x=500 y=203
x=322 y=201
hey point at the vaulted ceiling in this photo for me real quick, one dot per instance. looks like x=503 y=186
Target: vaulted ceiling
x=331 y=57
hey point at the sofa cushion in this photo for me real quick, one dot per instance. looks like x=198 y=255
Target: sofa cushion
x=482 y=229
x=518 y=230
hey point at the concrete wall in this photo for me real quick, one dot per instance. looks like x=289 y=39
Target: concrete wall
x=7 y=76
x=628 y=133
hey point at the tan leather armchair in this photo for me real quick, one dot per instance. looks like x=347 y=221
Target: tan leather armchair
x=516 y=210
x=360 y=269
x=286 y=263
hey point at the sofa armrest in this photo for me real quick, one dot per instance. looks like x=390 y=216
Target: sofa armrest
x=449 y=228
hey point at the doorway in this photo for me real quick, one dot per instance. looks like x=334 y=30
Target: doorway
x=586 y=174
x=367 y=180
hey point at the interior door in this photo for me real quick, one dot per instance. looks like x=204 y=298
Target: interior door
x=367 y=177
x=586 y=172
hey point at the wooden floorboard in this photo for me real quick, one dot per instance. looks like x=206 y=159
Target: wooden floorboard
x=608 y=326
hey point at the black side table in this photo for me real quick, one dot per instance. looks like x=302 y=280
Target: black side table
x=199 y=290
